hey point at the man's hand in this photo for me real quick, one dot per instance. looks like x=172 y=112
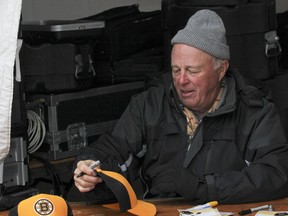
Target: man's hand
x=89 y=180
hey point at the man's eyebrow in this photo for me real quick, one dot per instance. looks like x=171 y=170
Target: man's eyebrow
x=175 y=67
x=188 y=66
x=197 y=67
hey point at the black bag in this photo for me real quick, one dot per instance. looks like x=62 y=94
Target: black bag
x=127 y=31
x=56 y=55
x=54 y=68
x=282 y=30
x=250 y=30
x=279 y=89
x=129 y=47
x=145 y=65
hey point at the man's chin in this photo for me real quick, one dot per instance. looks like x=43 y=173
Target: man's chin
x=188 y=105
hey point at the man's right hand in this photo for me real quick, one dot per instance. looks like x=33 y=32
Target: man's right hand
x=89 y=180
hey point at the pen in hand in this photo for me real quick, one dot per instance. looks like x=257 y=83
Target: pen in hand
x=92 y=166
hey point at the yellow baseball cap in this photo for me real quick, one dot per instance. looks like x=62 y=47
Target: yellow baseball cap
x=126 y=197
x=42 y=204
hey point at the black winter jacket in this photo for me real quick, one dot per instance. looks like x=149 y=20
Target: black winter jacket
x=238 y=154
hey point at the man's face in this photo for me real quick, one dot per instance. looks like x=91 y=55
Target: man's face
x=196 y=81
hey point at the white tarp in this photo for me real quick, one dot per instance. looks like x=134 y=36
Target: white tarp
x=10 y=11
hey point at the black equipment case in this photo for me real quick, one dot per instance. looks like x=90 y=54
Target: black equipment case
x=56 y=54
x=279 y=91
x=145 y=65
x=98 y=108
x=282 y=30
x=130 y=46
x=56 y=31
x=250 y=27
x=127 y=31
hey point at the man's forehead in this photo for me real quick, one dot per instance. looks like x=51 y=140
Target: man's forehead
x=183 y=50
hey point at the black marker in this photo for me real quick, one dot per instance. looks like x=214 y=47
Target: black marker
x=248 y=211
x=92 y=166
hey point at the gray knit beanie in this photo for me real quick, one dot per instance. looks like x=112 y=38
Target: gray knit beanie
x=205 y=30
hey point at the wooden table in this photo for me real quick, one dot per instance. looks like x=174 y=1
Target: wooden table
x=168 y=207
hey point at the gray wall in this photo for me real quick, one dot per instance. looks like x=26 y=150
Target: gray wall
x=73 y=9
x=281 y=6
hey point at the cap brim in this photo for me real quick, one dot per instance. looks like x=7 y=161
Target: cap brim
x=142 y=208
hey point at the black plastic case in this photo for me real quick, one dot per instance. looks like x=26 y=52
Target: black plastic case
x=43 y=31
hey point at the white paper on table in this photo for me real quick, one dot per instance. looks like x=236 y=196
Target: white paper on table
x=201 y=212
x=269 y=213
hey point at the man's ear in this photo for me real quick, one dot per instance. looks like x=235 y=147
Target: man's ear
x=223 y=69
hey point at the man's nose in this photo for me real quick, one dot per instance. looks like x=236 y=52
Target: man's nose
x=183 y=78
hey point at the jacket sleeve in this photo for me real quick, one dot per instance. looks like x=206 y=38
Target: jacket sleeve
x=266 y=175
x=120 y=150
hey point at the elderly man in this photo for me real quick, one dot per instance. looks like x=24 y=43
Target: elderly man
x=208 y=135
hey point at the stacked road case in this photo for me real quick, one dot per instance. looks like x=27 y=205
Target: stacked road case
x=90 y=113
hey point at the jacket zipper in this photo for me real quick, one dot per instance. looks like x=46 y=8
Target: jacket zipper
x=190 y=137
x=189 y=142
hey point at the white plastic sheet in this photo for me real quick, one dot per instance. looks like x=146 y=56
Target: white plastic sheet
x=10 y=11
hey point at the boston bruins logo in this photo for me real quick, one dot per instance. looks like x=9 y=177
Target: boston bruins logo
x=43 y=207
